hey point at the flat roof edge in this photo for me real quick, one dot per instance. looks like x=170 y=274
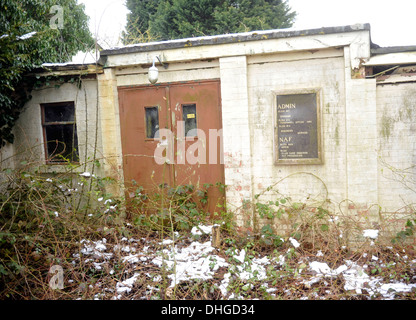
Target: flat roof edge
x=396 y=49
x=66 y=69
x=232 y=38
x=68 y=66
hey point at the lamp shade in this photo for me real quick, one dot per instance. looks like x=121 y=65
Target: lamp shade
x=153 y=74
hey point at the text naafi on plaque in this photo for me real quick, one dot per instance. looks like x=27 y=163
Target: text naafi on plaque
x=297 y=127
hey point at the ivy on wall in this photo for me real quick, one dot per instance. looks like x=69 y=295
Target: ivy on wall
x=33 y=32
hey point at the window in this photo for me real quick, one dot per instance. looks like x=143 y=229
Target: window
x=152 y=122
x=60 y=132
x=189 y=118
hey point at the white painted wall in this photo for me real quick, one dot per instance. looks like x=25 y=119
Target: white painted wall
x=396 y=130
x=29 y=143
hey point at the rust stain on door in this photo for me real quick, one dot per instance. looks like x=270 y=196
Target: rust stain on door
x=192 y=113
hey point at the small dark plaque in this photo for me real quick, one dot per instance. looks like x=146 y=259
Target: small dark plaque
x=297 y=130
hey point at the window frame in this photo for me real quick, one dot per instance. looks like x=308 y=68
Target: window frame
x=45 y=124
x=145 y=123
x=186 y=136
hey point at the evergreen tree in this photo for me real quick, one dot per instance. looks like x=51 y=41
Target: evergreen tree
x=173 y=19
x=139 y=17
x=31 y=33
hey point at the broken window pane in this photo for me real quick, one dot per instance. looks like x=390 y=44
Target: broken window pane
x=62 y=112
x=189 y=117
x=60 y=133
x=152 y=122
x=61 y=143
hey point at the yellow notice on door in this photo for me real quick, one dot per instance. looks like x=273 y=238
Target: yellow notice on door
x=190 y=116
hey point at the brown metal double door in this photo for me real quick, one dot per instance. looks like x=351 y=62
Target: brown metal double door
x=171 y=135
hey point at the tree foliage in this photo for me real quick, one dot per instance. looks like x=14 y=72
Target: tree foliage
x=28 y=39
x=173 y=19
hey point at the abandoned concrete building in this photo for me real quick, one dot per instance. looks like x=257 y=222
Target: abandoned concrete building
x=323 y=115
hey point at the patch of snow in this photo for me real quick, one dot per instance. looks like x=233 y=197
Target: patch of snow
x=98 y=265
x=200 y=230
x=27 y=35
x=192 y=262
x=320 y=268
x=389 y=289
x=370 y=233
x=253 y=270
x=213 y=37
x=355 y=277
x=110 y=208
x=357 y=280
x=56 y=64
x=85 y=174
x=84 y=58
x=264 y=260
x=281 y=260
x=96 y=248
x=79 y=58
x=100 y=247
x=294 y=242
x=131 y=258
x=224 y=284
x=241 y=256
x=126 y=285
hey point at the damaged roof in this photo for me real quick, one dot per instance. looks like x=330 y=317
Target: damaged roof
x=232 y=38
x=66 y=69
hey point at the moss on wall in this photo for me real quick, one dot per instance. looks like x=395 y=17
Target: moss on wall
x=405 y=113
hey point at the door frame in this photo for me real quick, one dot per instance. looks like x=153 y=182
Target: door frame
x=167 y=87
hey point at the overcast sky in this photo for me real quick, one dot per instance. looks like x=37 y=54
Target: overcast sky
x=393 y=22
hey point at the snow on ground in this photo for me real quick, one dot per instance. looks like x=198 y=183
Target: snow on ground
x=193 y=262
x=357 y=279
x=370 y=233
x=200 y=261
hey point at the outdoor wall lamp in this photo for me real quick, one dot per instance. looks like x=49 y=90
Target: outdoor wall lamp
x=154 y=72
